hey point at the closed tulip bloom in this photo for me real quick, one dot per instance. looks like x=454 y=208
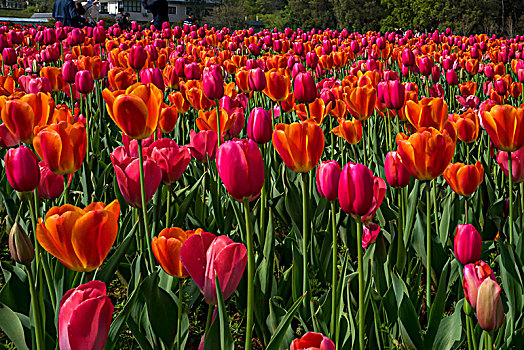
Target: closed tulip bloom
x=54 y=75
x=69 y=70
x=505 y=127
x=257 y=79
x=51 y=186
x=349 y=130
x=304 y=88
x=213 y=83
x=137 y=57
x=277 y=86
x=204 y=255
x=467 y=244
x=9 y=56
x=259 y=126
x=84 y=81
x=451 y=77
x=137 y=111
x=241 y=79
x=464 y=179
x=192 y=71
x=396 y=173
x=241 y=168
x=394 y=95
x=468 y=125
x=474 y=275
x=84 y=317
x=355 y=189
x=408 y=58
x=127 y=171
x=490 y=312
x=328 y=174
x=79 y=238
x=203 y=145
x=173 y=160
x=361 y=101
x=62 y=146
x=166 y=248
x=312 y=341
x=299 y=144
x=153 y=76
x=21 y=167
x=20 y=246
x=426 y=153
x=515 y=89
x=428 y=112
x=517 y=164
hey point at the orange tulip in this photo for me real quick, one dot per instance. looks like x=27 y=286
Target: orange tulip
x=241 y=79
x=62 y=113
x=62 y=146
x=177 y=99
x=505 y=127
x=7 y=84
x=515 y=89
x=170 y=77
x=428 y=112
x=120 y=78
x=426 y=153
x=197 y=99
x=168 y=119
x=277 y=86
x=467 y=125
x=361 y=101
x=208 y=121
x=349 y=130
x=136 y=112
x=299 y=144
x=317 y=110
x=79 y=238
x=468 y=88
x=408 y=96
x=21 y=116
x=166 y=248
x=54 y=75
x=339 y=110
x=464 y=179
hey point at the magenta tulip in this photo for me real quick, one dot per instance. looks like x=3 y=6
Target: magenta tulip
x=394 y=94
x=84 y=81
x=154 y=76
x=370 y=234
x=173 y=160
x=7 y=139
x=259 y=126
x=203 y=145
x=36 y=85
x=451 y=77
x=355 y=189
x=517 y=164
x=51 y=185
x=21 y=167
x=408 y=58
x=84 y=317
x=192 y=71
x=468 y=244
x=396 y=173
x=137 y=57
x=9 y=56
x=304 y=88
x=205 y=254
x=213 y=83
x=490 y=313
x=474 y=275
x=69 y=70
x=241 y=168
x=256 y=79
x=312 y=341
x=328 y=175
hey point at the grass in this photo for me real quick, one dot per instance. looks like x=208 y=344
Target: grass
x=19 y=13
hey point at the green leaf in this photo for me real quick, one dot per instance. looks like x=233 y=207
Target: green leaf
x=219 y=334
x=409 y=325
x=437 y=308
x=107 y=271
x=15 y=292
x=12 y=327
x=188 y=200
x=276 y=340
x=450 y=330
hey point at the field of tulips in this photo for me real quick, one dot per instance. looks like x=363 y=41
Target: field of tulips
x=202 y=188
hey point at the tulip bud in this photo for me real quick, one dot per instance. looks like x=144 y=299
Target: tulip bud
x=396 y=173
x=9 y=56
x=192 y=71
x=257 y=79
x=394 y=94
x=468 y=244
x=304 y=88
x=21 y=166
x=20 y=246
x=328 y=174
x=84 y=81
x=51 y=185
x=259 y=127
x=474 y=275
x=490 y=313
x=213 y=83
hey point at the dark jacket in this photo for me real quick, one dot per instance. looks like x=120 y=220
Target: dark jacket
x=65 y=11
x=159 y=9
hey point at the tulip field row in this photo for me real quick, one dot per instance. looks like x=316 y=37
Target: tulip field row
x=203 y=188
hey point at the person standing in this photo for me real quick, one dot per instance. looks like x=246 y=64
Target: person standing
x=66 y=12
x=159 y=9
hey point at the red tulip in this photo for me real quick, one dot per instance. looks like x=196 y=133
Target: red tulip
x=21 y=167
x=312 y=341
x=304 y=88
x=328 y=175
x=84 y=81
x=396 y=173
x=370 y=234
x=259 y=125
x=468 y=244
x=51 y=185
x=213 y=83
x=84 y=317
x=241 y=168
x=490 y=313
x=7 y=139
x=203 y=145
x=173 y=160
x=474 y=275
x=517 y=164
x=204 y=255
x=9 y=56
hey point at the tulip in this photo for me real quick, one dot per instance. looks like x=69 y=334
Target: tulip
x=474 y=275
x=213 y=84
x=259 y=127
x=153 y=76
x=277 y=86
x=192 y=71
x=7 y=139
x=257 y=79
x=517 y=164
x=428 y=112
x=397 y=175
x=426 y=153
x=203 y=145
x=137 y=111
x=241 y=79
x=21 y=167
x=166 y=248
x=69 y=71
x=451 y=77
x=355 y=189
x=299 y=144
x=468 y=244
x=370 y=234
x=208 y=121
x=20 y=246
x=9 y=56
x=127 y=171
x=205 y=255
x=137 y=57
x=79 y=238
x=84 y=81
x=120 y=78
x=505 y=127
x=54 y=76
x=490 y=313
x=394 y=95
x=51 y=185
x=304 y=88
x=241 y=169
x=408 y=58
x=312 y=341
x=173 y=160
x=84 y=317
x=349 y=130
x=328 y=174
x=464 y=179
x=467 y=125
x=361 y=101
x=36 y=85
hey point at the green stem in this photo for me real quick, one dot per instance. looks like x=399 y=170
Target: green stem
x=168 y=211
x=305 y=238
x=218 y=123
x=466 y=209
x=334 y=282
x=400 y=230
x=364 y=147
x=180 y=306
x=250 y=274
x=489 y=340
x=361 y=313
x=209 y=317
x=435 y=208
x=147 y=233
x=37 y=318
x=510 y=173
x=428 y=246
x=521 y=205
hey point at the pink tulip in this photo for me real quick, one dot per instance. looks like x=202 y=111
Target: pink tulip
x=259 y=126
x=256 y=79
x=312 y=341
x=36 y=85
x=304 y=88
x=137 y=57
x=51 y=185
x=84 y=81
x=203 y=145
x=328 y=175
x=355 y=189
x=468 y=244
x=192 y=71
x=213 y=83
x=451 y=77
x=370 y=234
x=21 y=167
x=241 y=168
x=517 y=164
x=9 y=56
x=127 y=170
x=379 y=192
x=474 y=275
x=490 y=313
x=84 y=317
x=205 y=254
x=394 y=94
x=396 y=173
x=7 y=139
x=69 y=70
x=173 y=160
x=154 y=76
